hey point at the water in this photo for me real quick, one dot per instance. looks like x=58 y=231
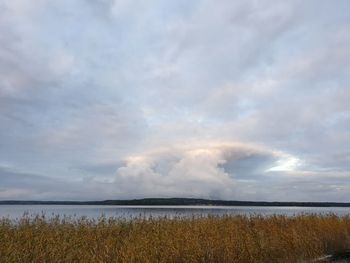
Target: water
x=91 y=211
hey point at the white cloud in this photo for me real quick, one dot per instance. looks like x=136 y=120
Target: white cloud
x=288 y=163
x=205 y=169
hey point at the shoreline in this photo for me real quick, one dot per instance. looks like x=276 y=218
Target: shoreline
x=178 y=202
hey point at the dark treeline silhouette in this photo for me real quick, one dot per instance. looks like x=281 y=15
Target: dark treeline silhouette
x=177 y=201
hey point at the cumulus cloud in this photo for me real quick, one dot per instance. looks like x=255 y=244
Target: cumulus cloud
x=202 y=169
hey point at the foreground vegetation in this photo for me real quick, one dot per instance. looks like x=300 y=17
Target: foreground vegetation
x=211 y=239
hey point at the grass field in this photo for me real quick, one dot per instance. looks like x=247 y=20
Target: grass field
x=213 y=239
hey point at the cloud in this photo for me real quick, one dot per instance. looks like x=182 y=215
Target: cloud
x=16 y=184
x=20 y=185
x=172 y=98
x=202 y=169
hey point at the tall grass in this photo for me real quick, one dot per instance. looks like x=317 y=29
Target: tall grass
x=210 y=239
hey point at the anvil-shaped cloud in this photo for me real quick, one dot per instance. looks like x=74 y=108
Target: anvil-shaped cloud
x=211 y=170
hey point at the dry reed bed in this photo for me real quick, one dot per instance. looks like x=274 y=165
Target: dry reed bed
x=211 y=239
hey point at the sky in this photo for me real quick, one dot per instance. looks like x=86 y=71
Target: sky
x=117 y=99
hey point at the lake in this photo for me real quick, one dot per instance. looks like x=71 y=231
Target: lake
x=91 y=211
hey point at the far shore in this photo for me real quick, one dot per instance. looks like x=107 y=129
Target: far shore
x=177 y=202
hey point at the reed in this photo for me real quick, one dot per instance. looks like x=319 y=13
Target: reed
x=203 y=239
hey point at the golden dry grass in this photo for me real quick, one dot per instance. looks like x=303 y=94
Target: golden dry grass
x=211 y=239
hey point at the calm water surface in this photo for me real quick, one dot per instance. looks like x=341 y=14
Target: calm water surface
x=90 y=211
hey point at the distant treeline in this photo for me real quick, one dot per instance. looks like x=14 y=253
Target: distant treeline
x=177 y=201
